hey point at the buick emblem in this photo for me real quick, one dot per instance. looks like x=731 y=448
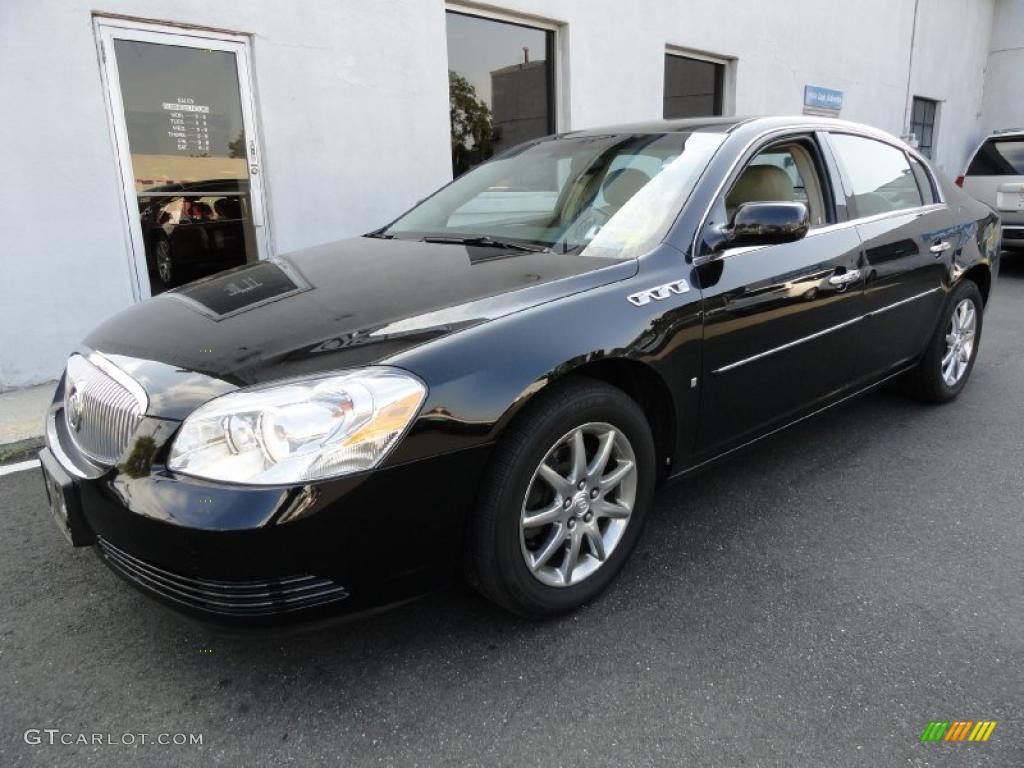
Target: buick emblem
x=75 y=408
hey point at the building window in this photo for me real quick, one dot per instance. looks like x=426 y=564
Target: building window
x=693 y=87
x=500 y=86
x=922 y=124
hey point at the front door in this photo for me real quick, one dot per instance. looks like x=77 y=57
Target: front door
x=181 y=113
x=781 y=322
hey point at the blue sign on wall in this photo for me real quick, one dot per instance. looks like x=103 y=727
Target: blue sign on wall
x=816 y=97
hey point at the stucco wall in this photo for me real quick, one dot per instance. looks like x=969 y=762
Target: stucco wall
x=1004 y=79
x=352 y=108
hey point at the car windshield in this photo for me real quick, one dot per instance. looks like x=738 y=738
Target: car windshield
x=610 y=196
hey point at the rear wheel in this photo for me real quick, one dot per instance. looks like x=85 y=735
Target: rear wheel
x=564 y=500
x=947 y=363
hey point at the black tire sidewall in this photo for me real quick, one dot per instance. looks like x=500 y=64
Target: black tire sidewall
x=590 y=403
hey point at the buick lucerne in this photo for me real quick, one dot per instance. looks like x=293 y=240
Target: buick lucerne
x=494 y=384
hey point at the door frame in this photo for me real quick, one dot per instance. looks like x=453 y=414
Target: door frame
x=106 y=30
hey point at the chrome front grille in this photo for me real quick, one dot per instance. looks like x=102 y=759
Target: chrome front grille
x=103 y=407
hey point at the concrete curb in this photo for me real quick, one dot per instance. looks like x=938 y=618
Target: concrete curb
x=11 y=453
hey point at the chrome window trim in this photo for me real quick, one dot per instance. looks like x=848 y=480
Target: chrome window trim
x=812 y=127
x=824 y=331
x=839 y=226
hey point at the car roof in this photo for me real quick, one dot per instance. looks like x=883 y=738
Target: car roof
x=751 y=124
x=1006 y=133
x=683 y=125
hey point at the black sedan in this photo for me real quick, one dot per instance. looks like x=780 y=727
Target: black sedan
x=494 y=384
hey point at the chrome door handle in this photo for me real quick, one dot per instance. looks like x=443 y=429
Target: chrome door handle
x=845 y=278
x=942 y=245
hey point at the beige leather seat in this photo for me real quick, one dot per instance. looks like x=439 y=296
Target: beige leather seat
x=760 y=184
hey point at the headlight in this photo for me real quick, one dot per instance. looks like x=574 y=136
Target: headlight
x=299 y=431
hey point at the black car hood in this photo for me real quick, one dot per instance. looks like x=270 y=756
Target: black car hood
x=341 y=305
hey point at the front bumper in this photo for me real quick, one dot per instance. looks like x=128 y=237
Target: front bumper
x=232 y=554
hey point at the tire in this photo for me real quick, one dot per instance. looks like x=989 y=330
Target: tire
x=928 y=381
x=501 y=541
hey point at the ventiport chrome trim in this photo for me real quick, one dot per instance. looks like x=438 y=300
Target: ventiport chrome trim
x=658 y=293
x=824 y=331
x=788 y=345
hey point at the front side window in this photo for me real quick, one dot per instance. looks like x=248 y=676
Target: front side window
x=999 y=157
x=500 y=86
x=879 y=174
x=610 y=196
x=785 y=173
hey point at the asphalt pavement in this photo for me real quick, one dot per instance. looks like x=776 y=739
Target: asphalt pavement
x=816 y=601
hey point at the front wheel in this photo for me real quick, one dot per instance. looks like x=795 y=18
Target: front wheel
x=947 y=363
x=564 y=500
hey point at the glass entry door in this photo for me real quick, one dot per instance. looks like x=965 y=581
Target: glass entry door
x=182 y=117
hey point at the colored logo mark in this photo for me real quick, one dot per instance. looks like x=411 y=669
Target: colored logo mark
x=958 y=730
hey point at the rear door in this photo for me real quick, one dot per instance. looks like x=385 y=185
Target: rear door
x=781 y=322
x=908 y=238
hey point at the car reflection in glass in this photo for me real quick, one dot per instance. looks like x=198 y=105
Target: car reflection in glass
x=193 y=230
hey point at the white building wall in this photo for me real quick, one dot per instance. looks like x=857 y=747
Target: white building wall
x=1004 y=78
x=352 y=109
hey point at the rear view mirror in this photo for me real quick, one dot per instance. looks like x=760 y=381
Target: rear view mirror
x=766 y=224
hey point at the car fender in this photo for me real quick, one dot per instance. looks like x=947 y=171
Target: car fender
x=480 y=378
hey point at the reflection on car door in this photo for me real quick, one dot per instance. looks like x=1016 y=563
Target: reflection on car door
x=908 y=242
x=781 y=327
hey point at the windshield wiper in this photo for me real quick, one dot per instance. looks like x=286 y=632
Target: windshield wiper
x=484 y=241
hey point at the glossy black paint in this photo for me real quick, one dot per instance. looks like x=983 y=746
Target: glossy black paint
x=759 y=337
x=765 y=224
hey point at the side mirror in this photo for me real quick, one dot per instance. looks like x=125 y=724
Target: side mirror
x=766 y=224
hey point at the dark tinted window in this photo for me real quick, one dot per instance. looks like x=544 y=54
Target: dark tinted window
x=922 y=124
x=500 y=86
x=879 y=174
x=693 y=88
x=999 y=157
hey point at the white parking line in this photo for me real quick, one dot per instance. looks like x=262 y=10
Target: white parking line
x=10 y=469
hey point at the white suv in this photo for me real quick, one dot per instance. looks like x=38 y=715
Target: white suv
x=995 y=176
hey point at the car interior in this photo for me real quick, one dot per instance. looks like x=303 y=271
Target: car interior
x=780 y=173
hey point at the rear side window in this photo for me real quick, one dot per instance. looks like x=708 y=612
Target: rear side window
x=879 y=174
x=999 y=157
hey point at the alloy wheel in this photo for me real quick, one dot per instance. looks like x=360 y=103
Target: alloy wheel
x=164 y=267
x=578 y=504
x=963 y=327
